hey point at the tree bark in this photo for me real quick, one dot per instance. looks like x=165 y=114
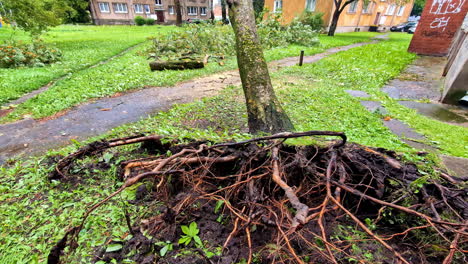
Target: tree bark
x=178 y=13
x=223 y=11
x=212 y=15
x=336 y=14
x=334 y=23
x=265 y=113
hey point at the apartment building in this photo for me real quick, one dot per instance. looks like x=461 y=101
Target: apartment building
x=356 y=16
x=123 y=12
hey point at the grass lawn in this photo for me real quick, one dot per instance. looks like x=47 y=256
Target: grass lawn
x=131 y=71
x=35 y=212
x=82 y=46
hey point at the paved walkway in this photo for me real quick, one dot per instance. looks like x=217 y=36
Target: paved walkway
x=29 y=136
x=421 y=81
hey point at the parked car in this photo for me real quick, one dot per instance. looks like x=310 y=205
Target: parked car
x=411 y=30
x=403 y=27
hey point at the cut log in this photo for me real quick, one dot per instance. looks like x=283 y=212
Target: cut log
x=176 y=65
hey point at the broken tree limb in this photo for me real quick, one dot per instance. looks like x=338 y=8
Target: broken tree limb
x=95 y=148
x=176 y=65
x=286 y=135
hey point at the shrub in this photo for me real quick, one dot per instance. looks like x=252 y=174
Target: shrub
x=195 y=39
x=218 y=40
x=37 y=54
x=301 y=34
x=140 y=21
x=274 y=34
x=314 y=20
x=150 y=21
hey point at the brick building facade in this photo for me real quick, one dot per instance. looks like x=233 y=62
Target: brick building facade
x=357 y=16
x=440 y=20
x=123 y=12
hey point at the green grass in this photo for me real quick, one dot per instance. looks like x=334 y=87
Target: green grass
x=82 y=46
x=35 y=212
x=131 y=71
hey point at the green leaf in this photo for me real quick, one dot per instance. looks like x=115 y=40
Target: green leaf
x=114 y=247
x=185 y=230
x=107 y=157
x=185 y=240
x=163 y=251
x=198 y=241
x=218 y=205
x=193 y=229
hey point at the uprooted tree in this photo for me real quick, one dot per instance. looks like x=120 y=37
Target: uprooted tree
x=277 y=203
x=263 y=108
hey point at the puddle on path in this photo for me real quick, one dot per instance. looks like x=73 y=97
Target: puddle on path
x=441 y=112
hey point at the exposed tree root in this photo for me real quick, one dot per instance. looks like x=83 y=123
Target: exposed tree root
x=296 y=198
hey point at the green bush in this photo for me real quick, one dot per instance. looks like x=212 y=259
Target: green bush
x=37 y=54
x=314 y=20
x=140 y=21
x=218 y=40
x=275 y=34
x=150 y=21
x=195 y=39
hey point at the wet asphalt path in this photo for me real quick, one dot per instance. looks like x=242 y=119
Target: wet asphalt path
x=27 y=137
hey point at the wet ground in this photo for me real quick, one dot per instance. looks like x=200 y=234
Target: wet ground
x=29 y=136
x=420 y=87
x=422 y=81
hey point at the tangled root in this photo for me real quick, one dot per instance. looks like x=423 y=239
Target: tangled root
x=290 y=196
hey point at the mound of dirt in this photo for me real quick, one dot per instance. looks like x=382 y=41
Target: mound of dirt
x=264 y=201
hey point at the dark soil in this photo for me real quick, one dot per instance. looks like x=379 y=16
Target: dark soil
x=256 y=220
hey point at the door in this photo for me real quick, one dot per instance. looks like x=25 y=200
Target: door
x=377 y=18
x=160 y=15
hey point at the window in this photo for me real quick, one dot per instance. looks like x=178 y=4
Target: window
x=390 y=10
x=191 y=10
x=147 y=9
x=158 y=2
x=171 y=10
x=120 y=8
x=401 y=10
x=203 y=11
x=104 y=7
x=138 y=8
x=353 y=7
x=310 y=5
x=278 y=6
x=367 y=8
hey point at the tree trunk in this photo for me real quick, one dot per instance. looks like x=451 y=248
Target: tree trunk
x=178 y=13
x=265 y=113
x=176 y=65
x=334 y=23
x=212 y=15
x=223 y=11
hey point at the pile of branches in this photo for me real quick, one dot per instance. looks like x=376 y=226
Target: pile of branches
x=292 y=197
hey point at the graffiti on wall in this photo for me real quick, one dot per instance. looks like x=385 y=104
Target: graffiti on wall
x=444 y=7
